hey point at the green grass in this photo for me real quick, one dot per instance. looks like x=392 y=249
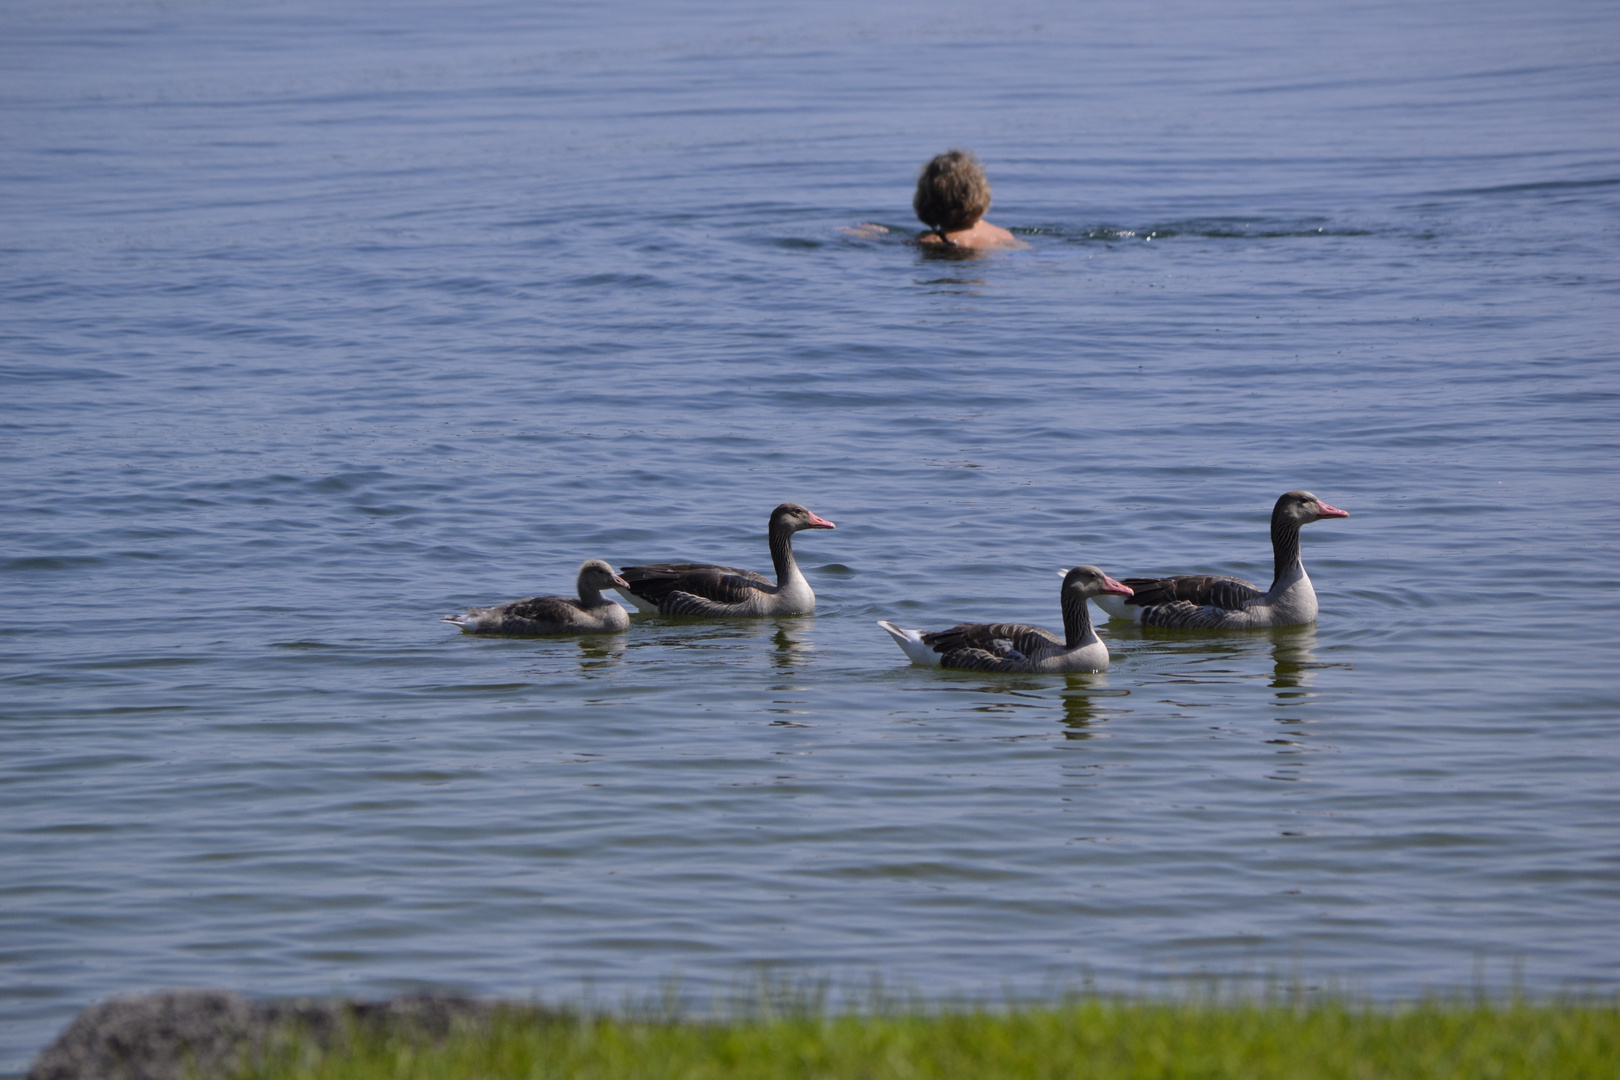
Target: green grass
x=1088 y=1039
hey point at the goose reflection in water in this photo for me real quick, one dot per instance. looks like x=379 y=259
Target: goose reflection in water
x=1084 y=699
x=1293 y=671
x=1294 y=664
x=793 y=644
x=598 y=654
x=1088 y=702
x=790 y=637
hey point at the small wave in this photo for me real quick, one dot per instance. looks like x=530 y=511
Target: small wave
x=50 y=562
x=1197 y=228
x=69 y=373
x=354 y=480
x=1541 y=185
x=619 y=281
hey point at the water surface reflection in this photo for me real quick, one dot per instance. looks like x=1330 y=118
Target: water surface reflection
x=1293 y=659
x=599 y=654
x=1087 y=703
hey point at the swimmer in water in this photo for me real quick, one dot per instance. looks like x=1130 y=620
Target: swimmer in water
x=952 y=197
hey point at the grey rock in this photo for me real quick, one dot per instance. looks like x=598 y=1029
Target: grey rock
x=209 y=1034
x=152 y=1037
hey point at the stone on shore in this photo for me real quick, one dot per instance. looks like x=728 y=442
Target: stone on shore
x=214 y=1034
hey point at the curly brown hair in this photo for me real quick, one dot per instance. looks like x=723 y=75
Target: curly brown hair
x=952 y=192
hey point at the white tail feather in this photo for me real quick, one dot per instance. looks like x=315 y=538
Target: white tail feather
x=911 y=643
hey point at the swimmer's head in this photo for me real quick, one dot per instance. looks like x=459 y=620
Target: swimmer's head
x=952 y=193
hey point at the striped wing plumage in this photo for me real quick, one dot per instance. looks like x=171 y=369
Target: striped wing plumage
x=992 y=646
x=694 y=588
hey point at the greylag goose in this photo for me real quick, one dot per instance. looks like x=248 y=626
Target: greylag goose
x=1013 y=647
x=1205 y=602
x=724 y=591
x=592 y=613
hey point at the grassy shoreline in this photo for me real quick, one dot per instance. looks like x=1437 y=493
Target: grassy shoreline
x=1093 y=1038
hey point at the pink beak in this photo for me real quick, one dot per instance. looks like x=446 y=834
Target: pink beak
x=1112 y=586
x=620 y=582
x=1325 y=511
x=819 y=522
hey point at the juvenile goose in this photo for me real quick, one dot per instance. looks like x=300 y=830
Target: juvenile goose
x=724 y=591
x=1205 y=602
x=1014 y=647
x=592 y=613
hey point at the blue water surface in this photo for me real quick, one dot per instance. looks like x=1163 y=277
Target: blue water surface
x=319 y=321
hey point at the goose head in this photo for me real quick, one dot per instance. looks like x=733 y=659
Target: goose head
x=596 y=575
x=1298 y=508
x=792 y=517
x=1089 y=581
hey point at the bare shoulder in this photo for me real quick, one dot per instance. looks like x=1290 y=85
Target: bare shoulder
x=982 y=236
x=995 y=236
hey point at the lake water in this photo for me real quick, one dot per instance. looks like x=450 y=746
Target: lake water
x=321 y=320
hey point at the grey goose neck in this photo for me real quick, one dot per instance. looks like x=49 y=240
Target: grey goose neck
x=782 y=551
x=591 y=597
x=1284 y=546
x=1076 y=618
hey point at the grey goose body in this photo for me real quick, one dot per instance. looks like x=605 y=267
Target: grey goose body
x=1016 y=648
x=546 y=616
x=1209 y=602
x=706 y=590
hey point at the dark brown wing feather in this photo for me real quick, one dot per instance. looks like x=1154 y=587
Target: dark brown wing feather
x=1182 y=615
x=551 y=608
x=721 y=584
x=979 y=660
x=1003 y=641
x=1200 y=590
x=536 y=615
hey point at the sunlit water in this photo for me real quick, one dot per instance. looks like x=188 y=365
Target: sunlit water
x=319 y=321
